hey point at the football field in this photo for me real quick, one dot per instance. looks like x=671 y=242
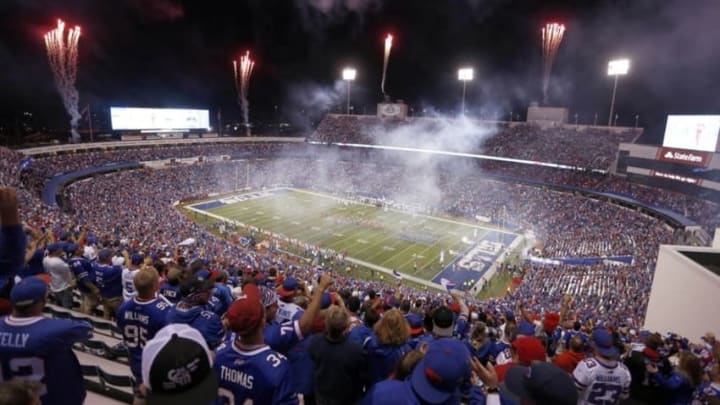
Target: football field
x=411 y=244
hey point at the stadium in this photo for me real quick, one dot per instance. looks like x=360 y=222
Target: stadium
x=313 y=268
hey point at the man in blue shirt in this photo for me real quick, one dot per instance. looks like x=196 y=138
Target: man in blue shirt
x=140 y=318
x=246 y=367
x=39 y=349
x=196 y=289
x=170 y=289
x=85 y=278
x=108 y=278
x=251 y=364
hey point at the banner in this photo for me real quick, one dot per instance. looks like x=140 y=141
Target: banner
x=682 y=156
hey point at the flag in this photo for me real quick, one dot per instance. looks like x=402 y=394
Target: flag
x=397 y=275
x=449 y=285
x=442 y=256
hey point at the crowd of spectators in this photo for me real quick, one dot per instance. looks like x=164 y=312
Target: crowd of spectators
x=411 y=345
x=569 y=145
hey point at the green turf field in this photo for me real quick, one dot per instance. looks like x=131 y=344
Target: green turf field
x=391 y=239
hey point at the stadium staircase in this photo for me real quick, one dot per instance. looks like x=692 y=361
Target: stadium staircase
x=103 y=359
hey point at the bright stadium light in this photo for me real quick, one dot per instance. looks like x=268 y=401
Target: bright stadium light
x=348 y=74
x=465 y=75
x=617 y=67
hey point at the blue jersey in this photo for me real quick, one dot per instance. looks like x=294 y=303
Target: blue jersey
x=35 y=265
x=40 y=349
x=205 y=322
x=139 y=321
x=224 y=295
x=83 y=271
x=382 y=358
x=260 y=376
x=171 y=292
x=215 y=305
x=359 y=334
x=108 y=278
x=282 y=336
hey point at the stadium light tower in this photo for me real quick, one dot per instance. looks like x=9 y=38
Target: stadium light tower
x=348 y=74
x=465 y=75
x=618 y=67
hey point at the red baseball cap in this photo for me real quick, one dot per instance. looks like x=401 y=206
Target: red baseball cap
x=529 y=349
x=246 y=313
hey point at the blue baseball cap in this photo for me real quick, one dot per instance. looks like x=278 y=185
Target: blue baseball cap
x=105 y=254
x=416 y=323
x=54 y=247
x=603 y=343
x=525 y=328
x=441 y=372
x=136 y=258
x=288 y=287
x=71 y=248
x=28 y=291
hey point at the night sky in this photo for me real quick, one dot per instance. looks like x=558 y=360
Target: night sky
x=172 y=53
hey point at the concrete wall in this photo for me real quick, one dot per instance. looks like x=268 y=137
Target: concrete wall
x=685 y=297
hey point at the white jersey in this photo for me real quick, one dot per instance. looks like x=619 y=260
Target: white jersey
x=127 y=283
x=601 y=382
x=288 y=311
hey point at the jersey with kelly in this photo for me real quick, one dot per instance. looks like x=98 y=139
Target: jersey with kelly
x=206 y=322
x=108 y=278
x=40 y=349
x=83 y=271
x=127 y=283
x=600 y=382
x=260 y=376
x=138 y=322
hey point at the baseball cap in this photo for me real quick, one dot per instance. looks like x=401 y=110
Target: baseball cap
x=71 y=248
x=541 y=382
x=442 y=370
x=28 y=291
x=201 y=280
x=529 y=349
x=288 y=287
x=416 y=323
x=603 y=343
x=525 y=328
x=105 y=254
x=246 y=313
x=136 y=259
x=177 y=367
x=54 y=247
x=443 y=320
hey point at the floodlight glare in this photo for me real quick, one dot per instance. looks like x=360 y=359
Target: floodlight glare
x=349 y=74
x=465 y=74
x=618 y=67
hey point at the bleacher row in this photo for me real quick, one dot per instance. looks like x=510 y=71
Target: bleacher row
x=103 y=358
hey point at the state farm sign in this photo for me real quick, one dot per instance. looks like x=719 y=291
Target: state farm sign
x=687 y=157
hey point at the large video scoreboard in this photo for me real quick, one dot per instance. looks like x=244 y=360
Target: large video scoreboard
x=687 y=162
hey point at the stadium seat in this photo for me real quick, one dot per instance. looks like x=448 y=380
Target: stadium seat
x=115 y=380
